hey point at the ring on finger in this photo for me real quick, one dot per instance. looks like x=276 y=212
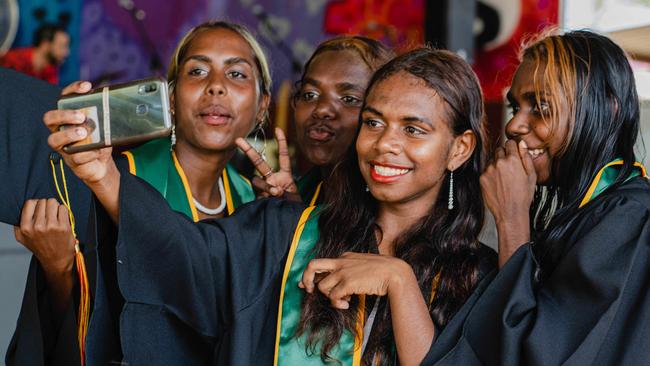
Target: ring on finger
x=268 y=174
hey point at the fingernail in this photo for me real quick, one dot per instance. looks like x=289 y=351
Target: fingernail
x=85 y=85
x=523 y=144
x=79 y=116
x=274 y=191
x=81 y=132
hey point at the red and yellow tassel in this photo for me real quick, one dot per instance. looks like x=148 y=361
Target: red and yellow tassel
x=84 y=298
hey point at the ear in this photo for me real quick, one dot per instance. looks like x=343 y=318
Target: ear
x=263 y=108
x=462 y=148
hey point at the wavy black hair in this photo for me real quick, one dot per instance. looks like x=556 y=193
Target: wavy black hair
x=443 y=243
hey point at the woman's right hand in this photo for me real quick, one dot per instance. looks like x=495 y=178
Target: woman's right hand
x=508 y=187
x=90 y=166
x=95 y=168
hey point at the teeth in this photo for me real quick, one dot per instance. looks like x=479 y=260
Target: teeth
x=535 y=152
x=389 y=172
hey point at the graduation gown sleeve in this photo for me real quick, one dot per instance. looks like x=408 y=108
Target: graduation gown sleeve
x=594 y=308
x=24 y=152
x=24 y=165
x=202 y=292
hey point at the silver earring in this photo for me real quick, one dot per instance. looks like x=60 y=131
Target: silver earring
x=450 y=202
x=173 y=136
x=260 y=128
x=367 y=188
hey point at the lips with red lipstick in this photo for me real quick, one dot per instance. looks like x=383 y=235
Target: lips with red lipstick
x=215 y=115
x=387 y=173
x=320 y=133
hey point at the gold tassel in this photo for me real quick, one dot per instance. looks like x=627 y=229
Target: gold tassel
x=84 y=298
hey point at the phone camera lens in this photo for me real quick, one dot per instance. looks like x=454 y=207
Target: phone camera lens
x=141 y=109
x=148 y=88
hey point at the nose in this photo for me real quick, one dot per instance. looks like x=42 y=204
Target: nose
x=517 y=126
x=325 y=108
x=216 y=86
x=389 y=142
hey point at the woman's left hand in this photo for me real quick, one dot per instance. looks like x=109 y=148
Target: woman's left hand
x=354 y=274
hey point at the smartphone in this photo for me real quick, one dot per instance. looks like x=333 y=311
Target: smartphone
x=121 y=114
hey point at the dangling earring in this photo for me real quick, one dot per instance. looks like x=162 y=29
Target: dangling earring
x=173 y=137
x=260 y=128
x=450 y=202
x=367 y=188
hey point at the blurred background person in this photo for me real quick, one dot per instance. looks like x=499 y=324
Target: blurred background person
x=50 y=49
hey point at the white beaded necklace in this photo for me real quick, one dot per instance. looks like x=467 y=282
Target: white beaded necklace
x=213 y=211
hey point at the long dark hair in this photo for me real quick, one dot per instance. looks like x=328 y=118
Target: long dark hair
x=443 y=243
x=595 y=79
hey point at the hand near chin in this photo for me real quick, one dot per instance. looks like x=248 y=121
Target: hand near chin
x=354 y=274
x=508 y=187
x=272 y=184
x=90 y=166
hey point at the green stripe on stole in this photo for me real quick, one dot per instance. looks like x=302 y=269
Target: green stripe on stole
x=154 y=163
x=291 y=350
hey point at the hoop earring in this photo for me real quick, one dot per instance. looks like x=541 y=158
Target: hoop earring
x=260 y=129
x=450 y=202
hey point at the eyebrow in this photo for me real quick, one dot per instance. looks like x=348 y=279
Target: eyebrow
x=341 y=86
x=350 y=86
x=408 y=119
x=228 y=62
x=529 y=96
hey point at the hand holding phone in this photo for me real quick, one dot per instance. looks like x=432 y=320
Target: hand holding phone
x=120 y=114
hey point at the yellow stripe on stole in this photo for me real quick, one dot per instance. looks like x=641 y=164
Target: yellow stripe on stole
x=188 y=191
x=131 y=160
x=594 y=184
x=315 y=197
x=226 y=186
x=285 y=275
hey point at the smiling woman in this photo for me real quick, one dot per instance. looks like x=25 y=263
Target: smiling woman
x=574 y=289
x=369 y=277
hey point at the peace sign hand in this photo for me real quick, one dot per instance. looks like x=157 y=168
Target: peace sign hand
x=272 y=184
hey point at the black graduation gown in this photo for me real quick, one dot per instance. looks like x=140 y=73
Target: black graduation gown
x=25 y=168
x=200 y=293
x=194 y=293
x=594 y=308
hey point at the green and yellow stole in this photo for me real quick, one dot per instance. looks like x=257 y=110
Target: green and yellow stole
x=289 y=349
x=607 y=175
x=157 y=164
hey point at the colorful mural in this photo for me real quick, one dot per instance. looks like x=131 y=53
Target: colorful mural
x=119 y=40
